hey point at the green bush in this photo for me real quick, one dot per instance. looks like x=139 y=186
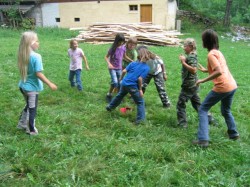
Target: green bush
x=28 y=24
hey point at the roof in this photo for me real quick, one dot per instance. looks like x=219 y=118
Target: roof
x=22 y=8
x=63 y=1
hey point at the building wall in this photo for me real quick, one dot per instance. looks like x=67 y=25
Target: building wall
x=50 y=11
x=36 y=13
x=171 y=16
x=106 y=12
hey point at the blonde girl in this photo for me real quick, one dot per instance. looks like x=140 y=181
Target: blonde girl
x=76 y=55
x=30 y=68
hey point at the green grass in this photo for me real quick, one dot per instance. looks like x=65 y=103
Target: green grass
x=80 y=144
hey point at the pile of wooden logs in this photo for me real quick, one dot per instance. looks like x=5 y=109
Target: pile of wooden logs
x=146 y=33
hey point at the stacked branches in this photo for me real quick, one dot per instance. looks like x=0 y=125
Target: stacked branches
x=146 y=33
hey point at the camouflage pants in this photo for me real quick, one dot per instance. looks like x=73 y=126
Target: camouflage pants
x=185 y=95
x=160 y=86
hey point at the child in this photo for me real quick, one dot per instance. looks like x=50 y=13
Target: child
x=30 y=68
x=189 y=90
x=114 y=60
x=132 y=83
x=76 y=55
x=131 y=52
x=223 y=90
x=158 y=72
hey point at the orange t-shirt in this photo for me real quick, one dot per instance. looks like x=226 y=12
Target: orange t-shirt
x=225 y=82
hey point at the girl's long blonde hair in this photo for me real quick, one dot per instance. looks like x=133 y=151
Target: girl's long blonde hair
x=24 y=51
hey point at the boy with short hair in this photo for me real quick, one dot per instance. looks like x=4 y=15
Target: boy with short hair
x=189 y=89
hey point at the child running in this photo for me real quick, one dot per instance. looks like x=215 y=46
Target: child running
x=223 y=91
x=131 y=53
x=132 y=84
x=158 y=73
x=76 y=55
x=30 y=68
x=189 y=89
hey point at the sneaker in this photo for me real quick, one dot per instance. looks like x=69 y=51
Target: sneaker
x=108 y=109
x=108 y=98
x=183 y=125
x=201 y=143
x=167 y=105
x=212 y=121
x=33 y=132
x=235 y=137
x=138 y=122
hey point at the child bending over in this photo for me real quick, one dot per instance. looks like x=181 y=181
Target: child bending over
x=158 y=73
x=132 y=84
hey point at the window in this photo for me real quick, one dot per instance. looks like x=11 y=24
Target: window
x=58 y=20
x=77 y=19
x=133 y=7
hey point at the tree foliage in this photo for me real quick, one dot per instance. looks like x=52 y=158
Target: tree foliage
x=14 y=17
x=215 y=9
x=227 y=16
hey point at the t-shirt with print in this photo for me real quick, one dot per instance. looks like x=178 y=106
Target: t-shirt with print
x=225 y=82
x=75 y=58
x=116 y=57
x=134 y=71
x=33 y=83
x=189 y=79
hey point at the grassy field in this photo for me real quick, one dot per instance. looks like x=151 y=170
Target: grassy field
x=80 y=144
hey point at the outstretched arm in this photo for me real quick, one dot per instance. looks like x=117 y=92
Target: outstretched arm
x=201 y=68
x=123 y=74
x=43 y=78
x=217 y=72
x=126 y=58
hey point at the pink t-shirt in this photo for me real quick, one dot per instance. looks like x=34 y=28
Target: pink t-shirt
x=225 y=82
x=75 y=58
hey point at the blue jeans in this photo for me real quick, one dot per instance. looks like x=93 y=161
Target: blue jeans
x=226 y=102
x=134 y=92
x=78 y=81
x=115 y=75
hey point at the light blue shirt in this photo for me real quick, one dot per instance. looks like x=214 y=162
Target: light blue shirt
x=33 y=83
